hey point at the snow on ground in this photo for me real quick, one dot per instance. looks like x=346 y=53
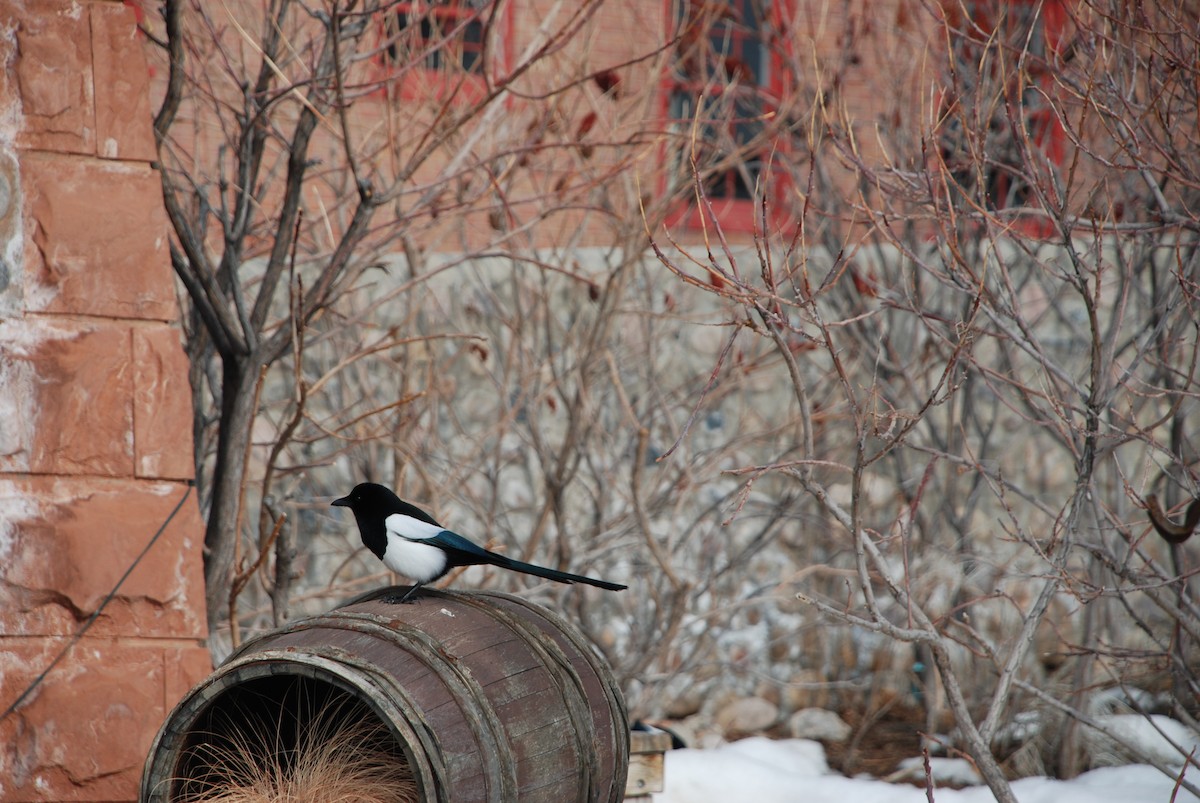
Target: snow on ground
x=1155 y=736
x=760 y=770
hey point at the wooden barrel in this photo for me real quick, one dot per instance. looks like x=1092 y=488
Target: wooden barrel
x=488 y=697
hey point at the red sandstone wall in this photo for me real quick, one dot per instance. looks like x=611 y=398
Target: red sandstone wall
x=95 y=418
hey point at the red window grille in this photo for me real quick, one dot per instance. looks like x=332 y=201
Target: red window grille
x=719 y=94
x=1025 y=29
x=440 y=34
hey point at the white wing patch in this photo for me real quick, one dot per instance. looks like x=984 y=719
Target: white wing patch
x=407 y=553
x=410 y=528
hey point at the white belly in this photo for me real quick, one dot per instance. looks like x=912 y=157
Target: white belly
x=416 y=561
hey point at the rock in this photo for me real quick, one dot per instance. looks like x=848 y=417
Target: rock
x=745 y=716
x=683 y=706
x=696 y=732
x=819 y=724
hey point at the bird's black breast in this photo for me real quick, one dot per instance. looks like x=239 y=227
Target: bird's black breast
x=374 y=534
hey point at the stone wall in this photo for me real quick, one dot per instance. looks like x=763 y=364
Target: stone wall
x=95 y=415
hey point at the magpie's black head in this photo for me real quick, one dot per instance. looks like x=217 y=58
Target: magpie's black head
x=370 y=501
x=369 y=498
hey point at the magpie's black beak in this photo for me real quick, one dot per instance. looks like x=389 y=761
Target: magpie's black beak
x=343 y=502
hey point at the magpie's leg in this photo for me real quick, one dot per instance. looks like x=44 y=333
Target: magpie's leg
x=392 y=599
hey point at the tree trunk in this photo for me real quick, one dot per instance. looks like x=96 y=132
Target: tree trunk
x=238 y=382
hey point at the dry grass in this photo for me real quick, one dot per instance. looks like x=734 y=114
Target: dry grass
x=334 y=758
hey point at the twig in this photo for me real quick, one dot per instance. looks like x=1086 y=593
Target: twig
x=241 y=578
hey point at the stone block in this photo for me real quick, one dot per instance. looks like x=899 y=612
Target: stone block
x=184 y=668
x=52 y=74
x=96 y=239
x=122 y=89
x=84 y=732
x=69 y=397
x=819 y=724
x=66 y=542
x=746 y=716
x=162 y=405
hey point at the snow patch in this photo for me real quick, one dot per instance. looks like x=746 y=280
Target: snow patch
x=944 y=771
x=19 y=341
x=15 y=508
x=1159 y=738
x=18 y=403
x=760 y=770
x=11 y=118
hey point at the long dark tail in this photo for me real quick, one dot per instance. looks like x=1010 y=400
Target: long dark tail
x=552 y=574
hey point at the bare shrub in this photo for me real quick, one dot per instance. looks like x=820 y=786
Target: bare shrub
x=983 y=307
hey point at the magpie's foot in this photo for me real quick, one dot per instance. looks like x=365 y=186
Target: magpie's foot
x=398 y=599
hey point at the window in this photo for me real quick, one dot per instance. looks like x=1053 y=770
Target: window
x=718 y=95
x=994 y=37
x=444 y=38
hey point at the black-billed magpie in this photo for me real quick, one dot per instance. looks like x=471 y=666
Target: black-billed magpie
x=411 y=543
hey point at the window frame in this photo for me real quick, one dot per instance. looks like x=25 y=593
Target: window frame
x=738 y=209
x=432 y=74
x=1043 y=128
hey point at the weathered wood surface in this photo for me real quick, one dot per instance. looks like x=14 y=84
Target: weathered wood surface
x=647 y=751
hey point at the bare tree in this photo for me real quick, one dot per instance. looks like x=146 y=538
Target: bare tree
x=277 y=155
x=413 y=252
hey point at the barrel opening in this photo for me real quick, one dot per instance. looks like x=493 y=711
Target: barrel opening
x=290 y=737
